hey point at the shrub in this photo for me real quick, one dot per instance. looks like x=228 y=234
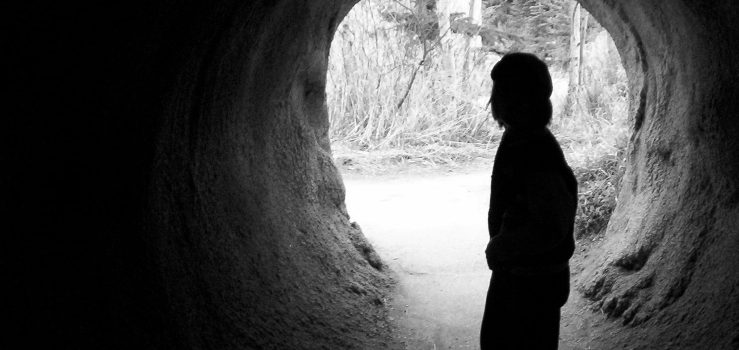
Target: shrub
x=599 y=183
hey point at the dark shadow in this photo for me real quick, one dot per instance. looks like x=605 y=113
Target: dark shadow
x=532 y=211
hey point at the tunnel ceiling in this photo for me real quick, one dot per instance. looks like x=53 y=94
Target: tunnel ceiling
x=182 y=149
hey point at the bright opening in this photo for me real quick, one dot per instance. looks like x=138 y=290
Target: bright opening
x=408 y=86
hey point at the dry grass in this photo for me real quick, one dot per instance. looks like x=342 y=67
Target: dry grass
x=372 y=64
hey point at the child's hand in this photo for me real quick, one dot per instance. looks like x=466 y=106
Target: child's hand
x=489 y=254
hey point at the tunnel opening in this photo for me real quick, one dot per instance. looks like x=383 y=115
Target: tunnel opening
x=395 y=91
x=412 y=134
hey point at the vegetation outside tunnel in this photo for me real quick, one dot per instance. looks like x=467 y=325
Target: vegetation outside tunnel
x=402 y=90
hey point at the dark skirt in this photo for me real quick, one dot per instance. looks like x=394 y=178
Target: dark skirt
x=523 y=312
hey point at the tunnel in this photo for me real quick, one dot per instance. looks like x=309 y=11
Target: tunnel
x=170 y=182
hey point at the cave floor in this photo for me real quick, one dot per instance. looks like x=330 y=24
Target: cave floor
x=430 y=228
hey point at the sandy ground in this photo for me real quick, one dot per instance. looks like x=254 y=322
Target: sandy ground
x=431 y=229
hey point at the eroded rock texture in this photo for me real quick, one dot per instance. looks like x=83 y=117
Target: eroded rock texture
x=171 y=184
x=671 y=254
x=243 y=174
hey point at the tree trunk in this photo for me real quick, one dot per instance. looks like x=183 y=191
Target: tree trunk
x=444 y=8
x=583 y=39
x=575 y=44
x=449 y=45
x=472 y=42
x=573 y=105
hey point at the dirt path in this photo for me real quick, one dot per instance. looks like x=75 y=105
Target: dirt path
x=431 y=229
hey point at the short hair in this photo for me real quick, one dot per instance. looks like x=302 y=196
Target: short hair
x=521 y=90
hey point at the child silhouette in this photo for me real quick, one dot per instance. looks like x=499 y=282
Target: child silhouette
x=532 y=211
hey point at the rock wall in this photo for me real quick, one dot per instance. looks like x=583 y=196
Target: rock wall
x=672 y=246
x=176 y=187
x=243 y=173
x=170 y=183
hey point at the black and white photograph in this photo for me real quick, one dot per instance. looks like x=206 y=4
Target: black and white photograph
x=371 y=175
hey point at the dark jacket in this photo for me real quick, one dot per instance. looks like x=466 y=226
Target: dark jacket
x=533 y=201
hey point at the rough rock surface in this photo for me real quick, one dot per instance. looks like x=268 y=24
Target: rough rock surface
x=170 y=182
x=669 y=263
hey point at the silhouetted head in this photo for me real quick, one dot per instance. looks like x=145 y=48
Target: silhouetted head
x=521 y=89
